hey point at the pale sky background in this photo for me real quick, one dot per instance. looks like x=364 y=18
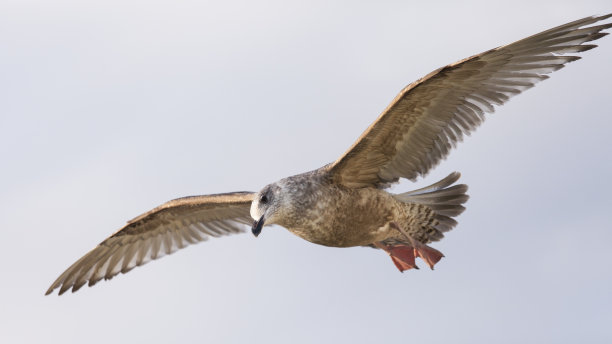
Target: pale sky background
x=109 y=108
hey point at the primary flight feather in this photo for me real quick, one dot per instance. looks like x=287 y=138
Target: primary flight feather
x=343 y=204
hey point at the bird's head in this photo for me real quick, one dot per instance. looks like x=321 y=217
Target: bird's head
x=267 y=207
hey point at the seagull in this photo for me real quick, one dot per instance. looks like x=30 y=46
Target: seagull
x=344 y=203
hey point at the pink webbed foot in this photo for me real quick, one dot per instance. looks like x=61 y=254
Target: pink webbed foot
x=429 y=254
x=402 y=256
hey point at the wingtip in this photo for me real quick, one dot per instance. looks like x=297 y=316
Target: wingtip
x=603 y=17
x=52 y=288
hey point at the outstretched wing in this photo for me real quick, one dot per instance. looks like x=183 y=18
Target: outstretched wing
x=431 y=115
x=163 y=230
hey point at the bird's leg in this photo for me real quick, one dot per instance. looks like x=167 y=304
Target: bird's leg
x=429 y=254
x=401 y=255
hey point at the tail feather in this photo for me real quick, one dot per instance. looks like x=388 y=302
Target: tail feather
x=448 y=210
x=444 y=198
x=449 y=180
x=445 y=223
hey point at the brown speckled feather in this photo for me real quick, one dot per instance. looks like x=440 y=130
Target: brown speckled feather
x=161 y=231
x=431 y=115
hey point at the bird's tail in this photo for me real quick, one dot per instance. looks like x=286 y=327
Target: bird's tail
x=444 y=198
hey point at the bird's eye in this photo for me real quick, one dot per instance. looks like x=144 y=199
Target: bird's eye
x=264 y=199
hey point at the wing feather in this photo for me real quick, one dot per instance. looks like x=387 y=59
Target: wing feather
x=427 y=119
x=161 y=231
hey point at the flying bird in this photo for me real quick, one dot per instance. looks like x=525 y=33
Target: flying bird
x=344 y=203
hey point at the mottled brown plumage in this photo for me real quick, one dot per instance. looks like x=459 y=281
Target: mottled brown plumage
x=343 y=204
x=326 y=213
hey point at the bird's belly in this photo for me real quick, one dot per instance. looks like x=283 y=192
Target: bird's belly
x=359 y=235
x=356 y=222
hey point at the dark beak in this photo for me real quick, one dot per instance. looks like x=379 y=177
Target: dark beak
x=257 y=226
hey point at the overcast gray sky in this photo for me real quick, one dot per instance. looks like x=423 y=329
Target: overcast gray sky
x=109 y=108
